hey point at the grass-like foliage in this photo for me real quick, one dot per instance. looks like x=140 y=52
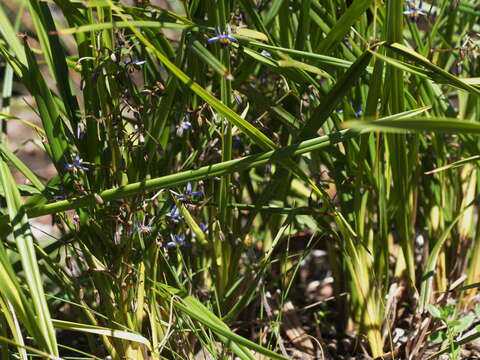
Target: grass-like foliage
x=203 y=148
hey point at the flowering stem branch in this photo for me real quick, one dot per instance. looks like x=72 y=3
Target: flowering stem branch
x=183 y=177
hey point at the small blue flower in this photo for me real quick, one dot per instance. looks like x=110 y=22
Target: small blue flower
x=142 y=229
x=359 y=112
x=414 y=14
x=224 y=38
x=134 y=64
x=266 y=53
x=76 y=164
x=177 y=241
x=237 y=98
x=203 y=227
x=184 y=125
x=174 y=214
x=188 y=193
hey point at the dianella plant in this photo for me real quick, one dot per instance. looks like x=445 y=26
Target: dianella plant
x=192 y=141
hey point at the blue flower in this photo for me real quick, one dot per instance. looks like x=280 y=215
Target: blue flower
x=188 y=193
x=237 y=98
x=142 y=229
x=203 y=227
x=174 y=214
x=184 y=125
x=414 y=14
x=76 y=164
x=134 y=64
x=359 y=112
x=266 y=53
x=177 y=241
x=224 y=38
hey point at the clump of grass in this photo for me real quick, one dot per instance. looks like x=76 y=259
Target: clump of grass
x=192 y=141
